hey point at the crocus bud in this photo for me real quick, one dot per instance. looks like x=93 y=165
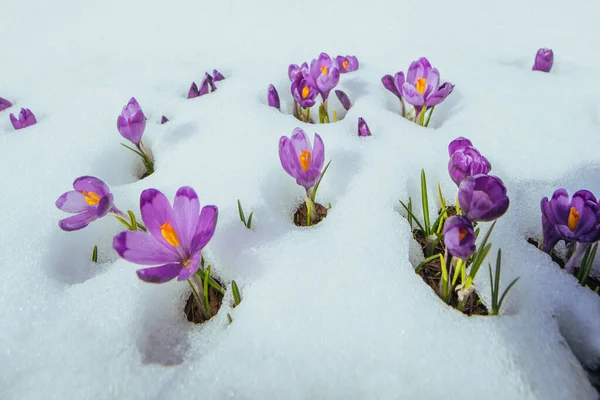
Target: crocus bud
x=204 y=85
x=210 y=82
x=193 y=92
x=467 y=162
x=4 y=104
x=164 y=120
x=394 y=83
x=26 y=118
x=343 y=98
x=543 y=60
x=482 y=197
x=459 y=237
x=273 y=97
x=458 y=144
x=132 y=122
x=363 y=128
x=217 y=76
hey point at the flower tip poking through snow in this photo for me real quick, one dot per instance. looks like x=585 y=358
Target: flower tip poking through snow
x=26 y=118
x=273 y=97
x=300 y=159
x=543 y=60
x=363 y=128
x=193 y=92
x=175 y=237
x=205 y=84
x=4 y=104
x=217 y=76
x=465 y=161
x=343 y=98
x=346 y=64
x=132 y=122
x=90 y=200
x=164 y=120
x=482 y=197
x=459 y=237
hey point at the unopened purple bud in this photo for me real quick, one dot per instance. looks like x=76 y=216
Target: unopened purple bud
x=343 y=98
x=204 y=86
x=211 y=82
x=466 y=161
x=363 y=128
x=4 y=104
x=459 y=237
x=164 y=120
x=26 y=118
x=482 y=197
x=543 y=60
x=193 y=92
x=132 y=122
x=458 y=144
x=273 y=97
x=217 y=76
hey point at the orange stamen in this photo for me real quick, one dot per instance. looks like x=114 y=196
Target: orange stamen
x=345 y=64
x=573 y=219
x=305 y=159
x=91 y=198
x=169 y=234
x=324 y=70
x=462 y=234
x=305 y=92
x=421 y=84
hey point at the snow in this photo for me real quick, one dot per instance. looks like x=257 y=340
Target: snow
x=331 y=311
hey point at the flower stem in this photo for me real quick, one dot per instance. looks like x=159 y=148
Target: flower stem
x=579 y=250
x=197 y=295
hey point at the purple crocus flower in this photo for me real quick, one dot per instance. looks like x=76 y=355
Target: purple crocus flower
x=90 y=200
x=26 y=118
x=217 y=76
x=4 y=104
x=346 y=64
x=325 y=75
x=273 y=97
x=175 y=236
x=459 y=237
x=482 y=197
x=193 y=92
x=132 y=122
x=459 y=143
x=394 y=83
x=422 y=86
x=300 y=159
x=164 y=120
x=343 y=98
x=466 y=161
x=296 y=72
x=304 y=93
x=363 y=128
x=577 y=220
x=543 y=60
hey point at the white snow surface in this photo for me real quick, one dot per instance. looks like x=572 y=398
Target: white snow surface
x=334 y=311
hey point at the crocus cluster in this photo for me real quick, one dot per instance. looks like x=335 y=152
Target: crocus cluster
x=308 y=82
x=25 y=119
x=206 y=86
x=420 y=88
x=543 y=60
x=481 y=197
x=575 y=220
x=131 y=124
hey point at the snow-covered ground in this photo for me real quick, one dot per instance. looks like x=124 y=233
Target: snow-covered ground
x=334 y=311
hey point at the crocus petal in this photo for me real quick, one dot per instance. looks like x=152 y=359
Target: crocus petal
x=433 y=82
x=104 y=205
x=137 y=124
x=440 y=95
x=273 y=97
x=399 y=81
x=78 y=221
x=15 y=122
x=164 y=120
x=411 y=95
x=343 y=98
x=286 y=157
x=308 y=178
x=203 y=86
x=156 y=211
x=205 y=228
x=363 y=128
x=161 y=274
x=300 y=141
x=91 y=184
x=415 y=71
x=459 y=237
x=318 y=153
x=217 y=76
x=186 y=208
x=190 y=267
x=193 y=92
x=458 y=144
x=559 y=206
x=142 y=248
x=4 y=104
x=388 y=83
x=72 y=202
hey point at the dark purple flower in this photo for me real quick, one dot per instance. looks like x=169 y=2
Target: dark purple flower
x=394 y=83
x=422 y=86
x=458 y=144
x=466 y=161
x=346 y=64
x=363 y=128
x=459 y=237
x=26 y=118
x=343 y=98
x=273 y=97
x=164 y=120
x=325 y=75
x=90 y=200
x=217 y=76
x=304 y=93
x=300 y=159
x=132 y=122
x=4 y=104
x=175 y=236
x=577 y=220
x=193 y=92
x=482 y=197
x=543 y=60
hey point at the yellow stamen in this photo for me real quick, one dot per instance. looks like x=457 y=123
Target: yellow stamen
x=421 y=84
x=462 y=234
x=305 y=92
x=305 y=159
x=324 y=70
x=345 y=64
x=91 y=198
x=573 y=219
x=169 y=234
